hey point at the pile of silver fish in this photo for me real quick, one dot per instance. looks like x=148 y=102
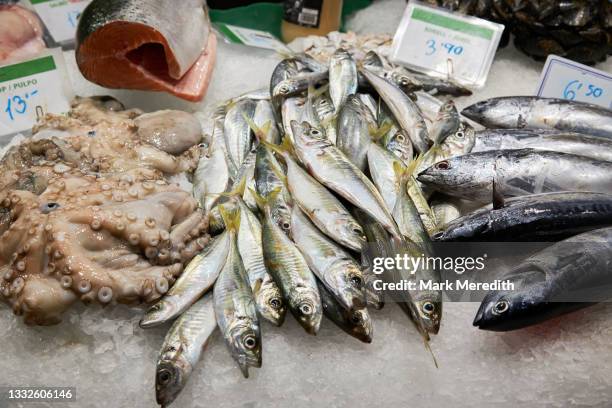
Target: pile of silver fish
x=335 y=163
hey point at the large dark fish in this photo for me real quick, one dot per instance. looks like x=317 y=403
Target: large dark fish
x=517 y=173
x=541 y=113
x=538 y=217
x=154 y=45
x=564 y=277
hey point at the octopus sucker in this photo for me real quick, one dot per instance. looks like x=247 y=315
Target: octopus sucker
x=87 y=211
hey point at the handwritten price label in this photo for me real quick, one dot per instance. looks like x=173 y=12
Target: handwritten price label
x=61 y=17
x=30 y=89
x=434 y=40
x=567 y=79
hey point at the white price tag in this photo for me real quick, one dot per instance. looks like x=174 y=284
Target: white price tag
x=60 y=17
x=434 y=40
x=567 y=79
x=250 y=37
x=30 y=89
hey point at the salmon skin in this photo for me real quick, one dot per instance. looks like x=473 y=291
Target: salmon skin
x=152 y=45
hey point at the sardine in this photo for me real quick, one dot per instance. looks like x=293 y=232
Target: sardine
x=355 y=323
x=181 y=349
x=538 y=217
x=403 y=109
x=234 y=305
x=517 y=173
x=342 y=78
x=198 y=277
x=290 y=271
x=542 y=113
x=334 y=170
x=355 y=121
x=267 y=296
x=548 y=283
x=574 y=143
x=338 y=271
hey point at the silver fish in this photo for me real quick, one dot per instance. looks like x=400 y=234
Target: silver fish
x=264 y=119
x=517 y=173
x=355 y=121
x=234 y=305
x=428 y=104
x=182 y=348
x=457 y=144
x=290 y=271
x=542 y=113
x=403 y=109
x=325 y=113
x=268 y=298
x=382 y=170
x=238 y=136
x=574 y=143
x=335 y=171
x=207 y=190
x=323 y=208
x=292 y=109
x=342 y=78
x=198 y=277
x=331 y=264
x=297 y=84
x=447 y=123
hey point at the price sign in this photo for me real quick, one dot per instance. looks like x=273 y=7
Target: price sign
x=434 y=40
x=30 y=89
x=250 y=37
x=567 y=79
x=60 y=17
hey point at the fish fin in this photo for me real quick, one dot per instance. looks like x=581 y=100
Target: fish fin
x=257 y=131
x=262 y=202
x=286 y=147
x=231 y=218
x=414 y=164
x=378 y=132
x=433 y=356
x=400 y=171
x=238 y=191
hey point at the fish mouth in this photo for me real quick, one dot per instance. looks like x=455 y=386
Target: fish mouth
x=479 y=318
x=424 y=177
x=152 y=318
x=474 y=111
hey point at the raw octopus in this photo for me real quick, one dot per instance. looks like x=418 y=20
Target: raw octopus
x=87 y=211
x=21 y=33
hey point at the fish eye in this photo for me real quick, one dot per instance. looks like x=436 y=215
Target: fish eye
x=275 y=303
x=355 y=281
x=306 y=309
x=501 y=307
x=250 y=342
x=284 y=89
x=438 y=235
x=355 y=318
x=460 y=134
x=286 y=226
x=443 y=165
x=428 y=308
x=315 y=132
x=400 y=137
x=163 y=377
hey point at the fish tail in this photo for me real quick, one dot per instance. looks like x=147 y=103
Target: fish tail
x=377 y=132
x=286 y=147
x=260 y=132
x=231 y=218
x=262 y=202
x=238 y=191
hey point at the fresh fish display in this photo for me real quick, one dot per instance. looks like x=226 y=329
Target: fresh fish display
x=290 y=271
x=355 y=121
x=403 y=108
x=549 y=283
x=150 y=45
x=542 y=113
x=537 y=217
x=574 y=143
x=334 y=267
x=237 y=131
x=334 y=170
x=182 y=347
x=198 y=277
x=517 y=173
x=234 y=306
x=342 y=78
x=356 y=323
x=267 y=296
